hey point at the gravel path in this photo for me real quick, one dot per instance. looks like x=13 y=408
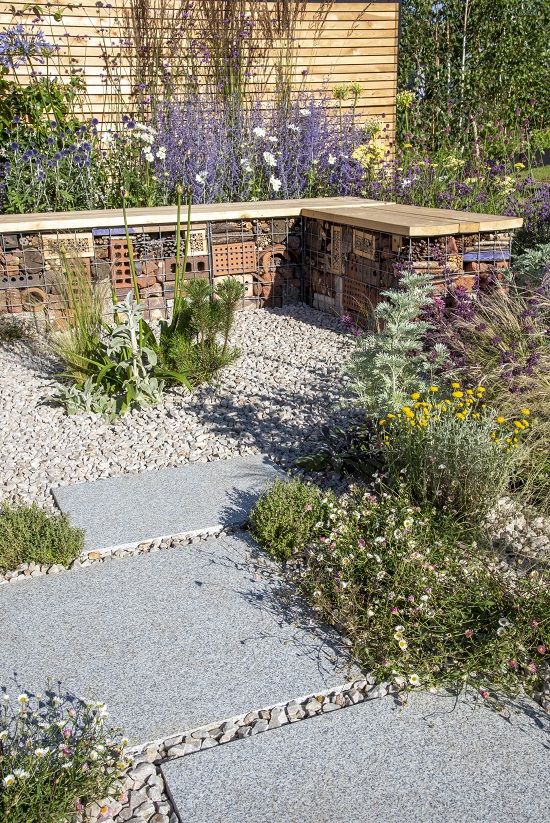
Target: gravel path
x=273 y=400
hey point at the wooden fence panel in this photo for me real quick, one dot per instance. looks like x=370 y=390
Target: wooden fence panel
x=358 y=43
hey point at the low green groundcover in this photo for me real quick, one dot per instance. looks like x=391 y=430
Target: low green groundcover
x=418 y=592
x=28 y=534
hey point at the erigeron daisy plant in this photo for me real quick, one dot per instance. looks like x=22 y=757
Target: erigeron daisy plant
x=56 y=758
x=419 y=591
x=452 y=450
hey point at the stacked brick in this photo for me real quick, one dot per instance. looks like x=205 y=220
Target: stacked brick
x=349 y=268
x=264 y=255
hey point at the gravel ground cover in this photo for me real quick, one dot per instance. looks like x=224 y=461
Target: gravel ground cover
x=273 y=400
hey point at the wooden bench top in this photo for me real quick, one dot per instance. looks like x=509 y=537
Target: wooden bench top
x=411 y=221
x=408 y=221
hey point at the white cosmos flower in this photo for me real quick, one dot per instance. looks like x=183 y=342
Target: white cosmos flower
x=9 y=780
x=259 y=132
x=275 y=184
x=305 y=112
x=415 y=680
x=270 y=159
x=331 y=160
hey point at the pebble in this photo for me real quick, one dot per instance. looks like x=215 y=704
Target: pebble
x=268 y=401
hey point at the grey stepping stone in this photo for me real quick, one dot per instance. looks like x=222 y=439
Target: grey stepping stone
x=129 y=508
x=169 y=641
x=375 y=763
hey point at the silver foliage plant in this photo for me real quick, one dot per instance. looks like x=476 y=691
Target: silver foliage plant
x=390 y=364
x=126 y=380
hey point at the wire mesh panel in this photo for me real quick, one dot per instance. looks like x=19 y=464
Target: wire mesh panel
x=36 y=268
x=348 y=268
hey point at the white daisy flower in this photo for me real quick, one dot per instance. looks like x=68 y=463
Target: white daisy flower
x=9 y=780
x=259 y=132
x=21 y=774
x=331 y=160
x=501 y=631
x=276 y=184
x=415 y=680
x=270 y=159
x=41 y=752
x=23 y=698
x=161 y=153
x=402 y=645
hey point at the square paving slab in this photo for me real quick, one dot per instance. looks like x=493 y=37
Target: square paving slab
x=431 y=762
x=129 y=508
x=170 y=640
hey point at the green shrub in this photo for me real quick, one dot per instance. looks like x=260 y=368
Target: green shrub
x=196 y=342
x=30 y=535
x=421 y=596
x=284 y=516
x=56 y=758
x=452 y=451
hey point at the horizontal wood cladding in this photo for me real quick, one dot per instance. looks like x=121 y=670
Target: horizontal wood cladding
x=357 y=44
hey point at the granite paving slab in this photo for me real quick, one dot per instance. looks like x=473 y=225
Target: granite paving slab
x=128 y=508
x=431 y=762
x=170 y=640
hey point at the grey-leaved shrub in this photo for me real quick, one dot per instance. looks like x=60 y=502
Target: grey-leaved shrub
x=389 y=365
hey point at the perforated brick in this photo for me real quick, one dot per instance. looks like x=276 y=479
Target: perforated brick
x=235 y=258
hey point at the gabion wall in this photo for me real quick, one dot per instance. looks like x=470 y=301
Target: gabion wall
x=334 y=267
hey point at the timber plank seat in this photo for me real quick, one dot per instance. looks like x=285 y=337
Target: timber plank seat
x=411 y=221
x=408 y=221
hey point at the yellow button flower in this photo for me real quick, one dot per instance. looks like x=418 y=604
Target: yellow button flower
x=469 y=391
x=415 y=396
x=500 y=419
x=480 y=389
x=382 y=422
x=391 y=416
x=434 y=388
x=526 y=412
x=458 y=393
x=455 y=385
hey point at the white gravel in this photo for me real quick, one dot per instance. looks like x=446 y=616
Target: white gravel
x=287 y=382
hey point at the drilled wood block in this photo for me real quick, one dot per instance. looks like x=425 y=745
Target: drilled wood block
x=234 y=258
